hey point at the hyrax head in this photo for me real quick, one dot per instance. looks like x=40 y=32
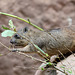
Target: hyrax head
x=18 y=39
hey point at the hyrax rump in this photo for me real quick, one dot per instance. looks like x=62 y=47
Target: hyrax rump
x=62 y=39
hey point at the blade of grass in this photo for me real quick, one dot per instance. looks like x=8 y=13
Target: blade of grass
x=40 y=50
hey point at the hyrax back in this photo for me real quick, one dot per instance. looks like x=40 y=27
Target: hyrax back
x=62 y=39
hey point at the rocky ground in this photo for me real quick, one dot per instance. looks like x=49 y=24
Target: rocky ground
x=47 y=14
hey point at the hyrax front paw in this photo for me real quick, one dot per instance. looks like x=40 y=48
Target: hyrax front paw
x=18 y=50
x=14 y=50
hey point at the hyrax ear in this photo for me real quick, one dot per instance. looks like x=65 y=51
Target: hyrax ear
x=25 y=29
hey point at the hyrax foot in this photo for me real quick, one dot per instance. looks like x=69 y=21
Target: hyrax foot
x=25 y=49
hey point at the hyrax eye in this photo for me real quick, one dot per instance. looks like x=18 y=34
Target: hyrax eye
x=25 y=29
x=17 y=36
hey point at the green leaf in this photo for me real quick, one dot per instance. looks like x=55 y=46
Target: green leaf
x=42 y=69
x=39 y=49
x=69 y=71
x=7 y=33
x=5 y=27
x=47 y=55
x=11 y=24
x=62 y=67
x=49 y=63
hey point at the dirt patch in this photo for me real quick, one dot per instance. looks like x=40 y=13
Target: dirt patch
x=47 y=14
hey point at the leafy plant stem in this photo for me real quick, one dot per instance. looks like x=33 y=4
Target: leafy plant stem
x=22 y=20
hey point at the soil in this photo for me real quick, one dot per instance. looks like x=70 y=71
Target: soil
x=48 y=14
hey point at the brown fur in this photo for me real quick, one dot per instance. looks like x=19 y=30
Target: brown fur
x=62 y=39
